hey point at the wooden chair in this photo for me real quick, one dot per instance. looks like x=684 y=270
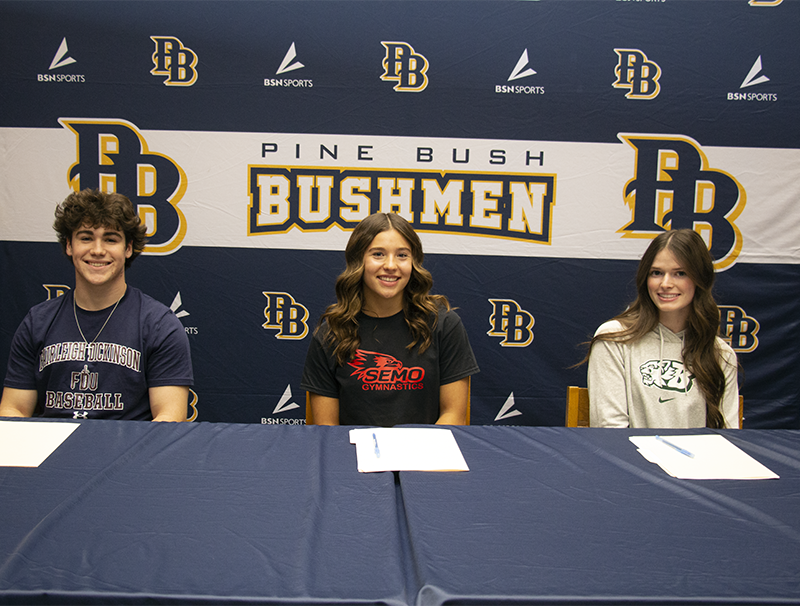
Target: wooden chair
x=741 y=411
x=578 y=407
x=310 y=415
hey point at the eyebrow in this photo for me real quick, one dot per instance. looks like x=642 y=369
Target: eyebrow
x=90 y=232
x=383 y=248
x=659 y=268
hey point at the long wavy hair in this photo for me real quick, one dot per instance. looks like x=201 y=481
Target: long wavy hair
x=701 y=355
x=419 y=307
x=96 y=208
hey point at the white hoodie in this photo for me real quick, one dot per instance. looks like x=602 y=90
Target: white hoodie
x=644 y=384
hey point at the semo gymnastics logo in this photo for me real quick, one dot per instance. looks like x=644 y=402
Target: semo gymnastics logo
x=382 y=372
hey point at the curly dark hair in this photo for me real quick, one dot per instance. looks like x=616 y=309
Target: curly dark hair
x=420 y=308
x=95 y=208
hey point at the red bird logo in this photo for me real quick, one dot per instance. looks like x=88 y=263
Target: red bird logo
x=364 y=361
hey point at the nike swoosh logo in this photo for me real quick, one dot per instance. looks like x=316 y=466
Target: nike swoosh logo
x=662 y=400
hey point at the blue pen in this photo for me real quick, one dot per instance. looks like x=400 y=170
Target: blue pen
x=683 y=451
x=377 y=450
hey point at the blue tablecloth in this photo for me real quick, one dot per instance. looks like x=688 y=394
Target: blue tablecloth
x=128 y=512
x=125 y=511
x=578 y=516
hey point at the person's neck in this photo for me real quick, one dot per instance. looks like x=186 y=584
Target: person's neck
x=96 y=298
x=381 y=308
x=675 y=322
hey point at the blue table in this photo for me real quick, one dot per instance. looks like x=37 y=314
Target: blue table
x=129 y=512
x=124 y=511
x=578 y=516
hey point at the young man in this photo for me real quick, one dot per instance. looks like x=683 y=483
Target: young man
x=104 y=350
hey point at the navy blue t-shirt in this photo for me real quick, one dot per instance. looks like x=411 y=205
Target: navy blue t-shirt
x=143 y=345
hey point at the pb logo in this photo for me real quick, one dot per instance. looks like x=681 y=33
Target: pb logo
x=55 y=290
x=285 y=315
x=173 y=60
x=637 y=74
x=675 y=188
x=192 y=411
x=402 y=65
x=510 y=322
x=113 y=157
x=738 y=329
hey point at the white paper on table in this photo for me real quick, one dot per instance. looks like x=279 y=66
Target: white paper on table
x=28 y=443
x=715 y=458
x=407 y=449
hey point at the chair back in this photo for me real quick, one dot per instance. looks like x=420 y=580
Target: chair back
x=309 y=414
x=577 y=407
x=741 y=411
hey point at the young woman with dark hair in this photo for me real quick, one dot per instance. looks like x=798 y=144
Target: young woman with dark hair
x=661 y=362
x=388 y=352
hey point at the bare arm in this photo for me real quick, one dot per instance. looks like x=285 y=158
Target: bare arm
x=169 y=402
x=18 y=402
x=453 y=399
x=324 y=409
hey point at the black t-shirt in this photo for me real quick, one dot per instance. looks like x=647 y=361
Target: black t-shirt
x=386 y=384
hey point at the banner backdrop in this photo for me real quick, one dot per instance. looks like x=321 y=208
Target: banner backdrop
x=537 y=147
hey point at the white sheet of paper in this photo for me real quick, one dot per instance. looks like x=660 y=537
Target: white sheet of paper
x=28 y=443
x=407 y=449
x=715 y=458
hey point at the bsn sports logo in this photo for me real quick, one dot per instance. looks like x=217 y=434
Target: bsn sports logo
x=675 y=188
x=636 y=73
x=521 y=70
x=753 y=78
x=666 y=374
x=403 y=65
x=61 y=59
x=511 y=323
x=289 y=65
x=739 y=329
x=382 y=372
x=285 y=315
x=113 y=157
x=175 y=61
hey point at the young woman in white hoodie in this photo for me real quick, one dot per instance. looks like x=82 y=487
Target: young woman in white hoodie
x=661 y=362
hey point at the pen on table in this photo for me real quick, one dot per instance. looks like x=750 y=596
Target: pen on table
x=683 y=451
x=377 y=450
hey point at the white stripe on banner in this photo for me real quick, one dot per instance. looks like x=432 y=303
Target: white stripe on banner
x=507 y=198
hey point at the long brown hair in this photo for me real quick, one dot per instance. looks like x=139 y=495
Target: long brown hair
x=419 y=307
x=701 y=355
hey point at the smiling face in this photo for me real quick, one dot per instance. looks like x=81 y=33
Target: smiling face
x=387 y=270
x=671 y=290
x=98 y=254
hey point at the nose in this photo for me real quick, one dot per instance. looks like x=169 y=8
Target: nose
x=97 y=247
x=390 y=262
x=666 y=280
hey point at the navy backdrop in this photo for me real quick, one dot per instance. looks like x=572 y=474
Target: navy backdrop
x=536 y=146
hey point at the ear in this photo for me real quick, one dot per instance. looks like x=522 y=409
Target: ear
x=128 y=250
x=68 y=248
